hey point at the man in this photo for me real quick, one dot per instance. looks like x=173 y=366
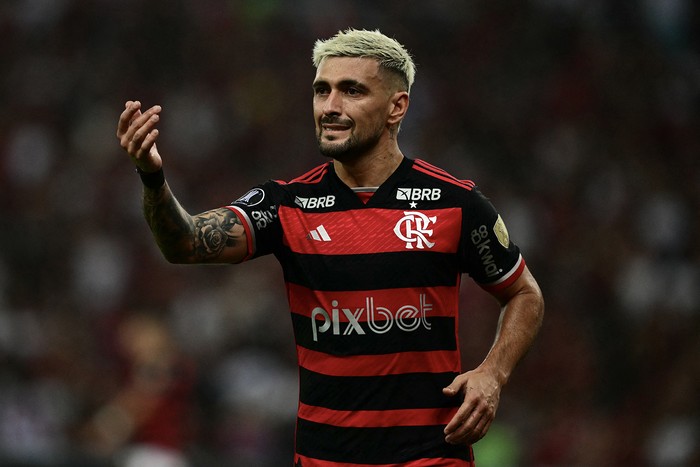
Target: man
x=373 y=246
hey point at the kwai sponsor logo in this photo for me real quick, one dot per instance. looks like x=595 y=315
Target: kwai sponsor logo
x=481 y=240
x=263 y=219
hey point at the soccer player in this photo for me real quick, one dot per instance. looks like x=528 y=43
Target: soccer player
x=373 y=246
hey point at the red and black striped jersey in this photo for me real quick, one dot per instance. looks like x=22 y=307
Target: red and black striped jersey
x=373 y=290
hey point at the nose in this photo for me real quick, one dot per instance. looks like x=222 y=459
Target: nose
x=333 y=104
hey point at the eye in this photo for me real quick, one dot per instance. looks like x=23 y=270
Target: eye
x=320 y=91
x=352 y=91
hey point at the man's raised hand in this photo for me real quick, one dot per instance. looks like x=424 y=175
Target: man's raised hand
x=137 y=134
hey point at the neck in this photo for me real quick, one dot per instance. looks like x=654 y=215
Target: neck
x=368 y=170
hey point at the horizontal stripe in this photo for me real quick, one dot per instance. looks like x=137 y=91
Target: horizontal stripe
x=393 y=445
x=302 y=461
x=324 y=335
x=369 y=272
x=377 y=418
x=367 y=231
x=441 y=361
x=388 y=392
x=508 y=279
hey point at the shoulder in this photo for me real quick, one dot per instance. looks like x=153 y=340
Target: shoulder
x=276 y=189
x=431 y=181
x=313 y=176
x=440 y=176
x=310 y=181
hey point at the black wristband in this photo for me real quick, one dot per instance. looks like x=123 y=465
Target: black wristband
x=153 y=180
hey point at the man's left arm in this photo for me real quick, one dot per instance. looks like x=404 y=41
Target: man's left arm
x=522 y=310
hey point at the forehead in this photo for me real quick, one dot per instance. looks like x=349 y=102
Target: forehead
x=338 y=69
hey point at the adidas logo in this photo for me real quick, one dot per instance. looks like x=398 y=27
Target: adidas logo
x=319 y=234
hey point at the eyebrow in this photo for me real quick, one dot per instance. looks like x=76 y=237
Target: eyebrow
x=345 y=83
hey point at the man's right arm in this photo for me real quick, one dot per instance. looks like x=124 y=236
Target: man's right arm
x=215 y=236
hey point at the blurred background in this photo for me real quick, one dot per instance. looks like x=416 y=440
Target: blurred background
x=580 y=119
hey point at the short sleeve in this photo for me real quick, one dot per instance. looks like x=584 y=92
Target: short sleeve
x=488 y=254
x=257 y=209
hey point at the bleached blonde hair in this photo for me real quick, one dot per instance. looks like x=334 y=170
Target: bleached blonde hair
x=368 y=44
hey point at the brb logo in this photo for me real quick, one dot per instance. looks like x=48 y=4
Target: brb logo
x=418 y=194
x=314 y=203
x=414 y=229
x=379 y=320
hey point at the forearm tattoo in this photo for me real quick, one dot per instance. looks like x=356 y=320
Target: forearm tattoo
x=185 y=238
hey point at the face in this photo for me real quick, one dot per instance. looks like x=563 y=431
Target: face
x=352 y=106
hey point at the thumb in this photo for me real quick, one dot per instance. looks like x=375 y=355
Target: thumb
x=454 y=388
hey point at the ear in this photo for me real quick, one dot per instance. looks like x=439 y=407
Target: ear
x=398 y=106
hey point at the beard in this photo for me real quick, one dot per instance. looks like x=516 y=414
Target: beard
x=352 y=148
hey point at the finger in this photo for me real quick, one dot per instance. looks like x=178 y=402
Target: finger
x=473 y=435
x=143 y=117
x=483 y=429
x=144 y=122
x=135 y=123
x=471 y=430
x=475 y=426
x=149 y=141
x=450 y=390
x=455 y=387
x=467 y=406
x=459 y=426
x=130 y=109
x=463 y=413
x=141 y=134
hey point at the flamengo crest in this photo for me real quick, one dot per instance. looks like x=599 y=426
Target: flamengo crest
x=414 y=229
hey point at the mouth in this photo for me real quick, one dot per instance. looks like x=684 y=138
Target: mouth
x=334 y=126
x=333 y=132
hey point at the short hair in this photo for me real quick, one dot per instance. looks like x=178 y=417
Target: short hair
x=368 y=44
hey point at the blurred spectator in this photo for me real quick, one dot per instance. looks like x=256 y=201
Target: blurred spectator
x=148 y=421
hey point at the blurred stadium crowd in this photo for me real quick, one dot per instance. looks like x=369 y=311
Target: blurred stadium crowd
x=579 y=118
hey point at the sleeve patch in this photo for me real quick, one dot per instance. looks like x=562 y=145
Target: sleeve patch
x=499 y=228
